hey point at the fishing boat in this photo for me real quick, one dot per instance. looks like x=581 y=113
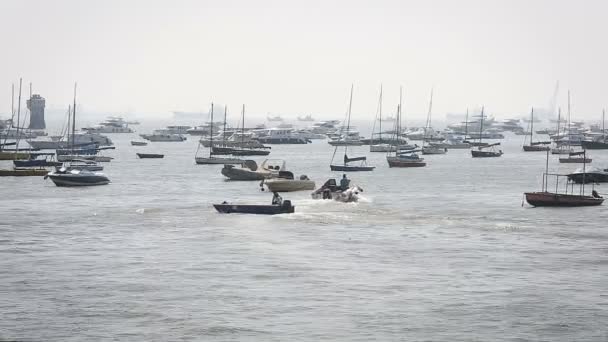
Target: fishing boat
x=138 y=143
x=73 y=177
x=576 y=157
x=331 y=191
x=249 y=170
x=430 y=149
x=535 y=146
x=286 y=182
x=149 y=155
x=345 y=166
x=485 y=151
x=568 y=198
x=272 y=209
x=600 y=143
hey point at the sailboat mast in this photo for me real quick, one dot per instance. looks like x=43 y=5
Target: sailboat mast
x=211 y=132
x=224 y=131
x=18 y=118
x=568 y=128
x=350 y=104
x=243 y=126
x=531 y=125
x=559 y=119
x=74 y=120
x=428 y=118
x=481 y=126
x=603 y=123
x=466 y=125
x=399 y=113
x=380 y=115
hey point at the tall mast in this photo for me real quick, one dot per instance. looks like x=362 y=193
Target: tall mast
x=568 y=128
x=211 y=132
x=399 y=113
x=243 y=127
x=559 y=119
x=74 y=120
x=481 y=126
x=224 y=131
x=380 y=114
x=531 y=125
x=428 y=118
x=350 y=104
x=18 y=118
x=603 y=122
x=466 y=125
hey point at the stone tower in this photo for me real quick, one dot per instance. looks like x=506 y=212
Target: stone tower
x=36 y=106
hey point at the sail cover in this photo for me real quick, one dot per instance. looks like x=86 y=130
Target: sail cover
x=348 y=160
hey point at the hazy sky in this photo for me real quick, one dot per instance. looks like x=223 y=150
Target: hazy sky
x=301 y=56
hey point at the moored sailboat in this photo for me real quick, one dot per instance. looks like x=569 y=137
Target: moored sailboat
x=345 y=166
x=537 y=146
x=407 y=158
x=485 y=151
x=211 y=160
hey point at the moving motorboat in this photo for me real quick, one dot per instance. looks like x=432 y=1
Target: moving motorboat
x=272 y=209
x=249 y=170
x=331 y=190
x=73 y=177
x=286 y=182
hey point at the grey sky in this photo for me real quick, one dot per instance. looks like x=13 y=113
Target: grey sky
x=301 y=57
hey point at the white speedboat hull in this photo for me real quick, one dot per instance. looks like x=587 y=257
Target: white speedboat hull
x=288 y=185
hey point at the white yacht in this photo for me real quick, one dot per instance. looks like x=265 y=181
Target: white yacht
x=164 y=136
x=113 y=124
x=59 y=142
x=280 y=136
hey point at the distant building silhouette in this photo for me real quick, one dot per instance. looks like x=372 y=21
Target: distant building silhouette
x=36 y=107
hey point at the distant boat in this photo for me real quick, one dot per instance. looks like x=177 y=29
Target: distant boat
x=485 y=151
x=139 y=143
x=544 y=198
x=286 y=182
x=576 y=157
x=345 y=167
x=408 y=158
x=211 y=160
x=430 y=149
x=306 y=118
x=249 y=170
x=149 y=155
x=589 y=175
x=158 y=136
x=597 y=144
x=537 y=146
x=274 y=118
x=77 y=178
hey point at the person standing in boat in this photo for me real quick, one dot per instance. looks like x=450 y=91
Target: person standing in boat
x=276 y=199
x=344 y=183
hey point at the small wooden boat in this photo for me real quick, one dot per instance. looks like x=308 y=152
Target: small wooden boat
x=150 y=155
x=550 y=199
x=138 y=143
x=260 y=209
x=544 y=198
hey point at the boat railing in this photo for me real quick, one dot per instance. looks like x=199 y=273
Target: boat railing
x=568 y=184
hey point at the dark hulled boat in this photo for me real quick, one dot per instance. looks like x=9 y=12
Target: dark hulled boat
x=260 y=209
x=590 y=175
x=594 y=145
x=150 y=155
x=576 y=157
x=481 y=153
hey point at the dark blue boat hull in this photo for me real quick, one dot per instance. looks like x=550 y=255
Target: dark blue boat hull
x=346 y=168
x=286 y=208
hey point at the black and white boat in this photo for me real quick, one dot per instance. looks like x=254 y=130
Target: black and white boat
x=73 y=177
x=589 y=175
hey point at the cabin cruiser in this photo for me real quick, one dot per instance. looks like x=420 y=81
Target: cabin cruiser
x=280 y=136
x=163 y=135
x=286 y=182
x=75 y=177
x=331 y=190
x=204 y=129
x=78 y=139
x=590 y=174
x=249 y=170
x=112 y=124
x=510 y=125
x=324 y=127
x=423 y=133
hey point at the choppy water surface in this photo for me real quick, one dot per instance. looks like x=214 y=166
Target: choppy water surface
x=445 y=252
